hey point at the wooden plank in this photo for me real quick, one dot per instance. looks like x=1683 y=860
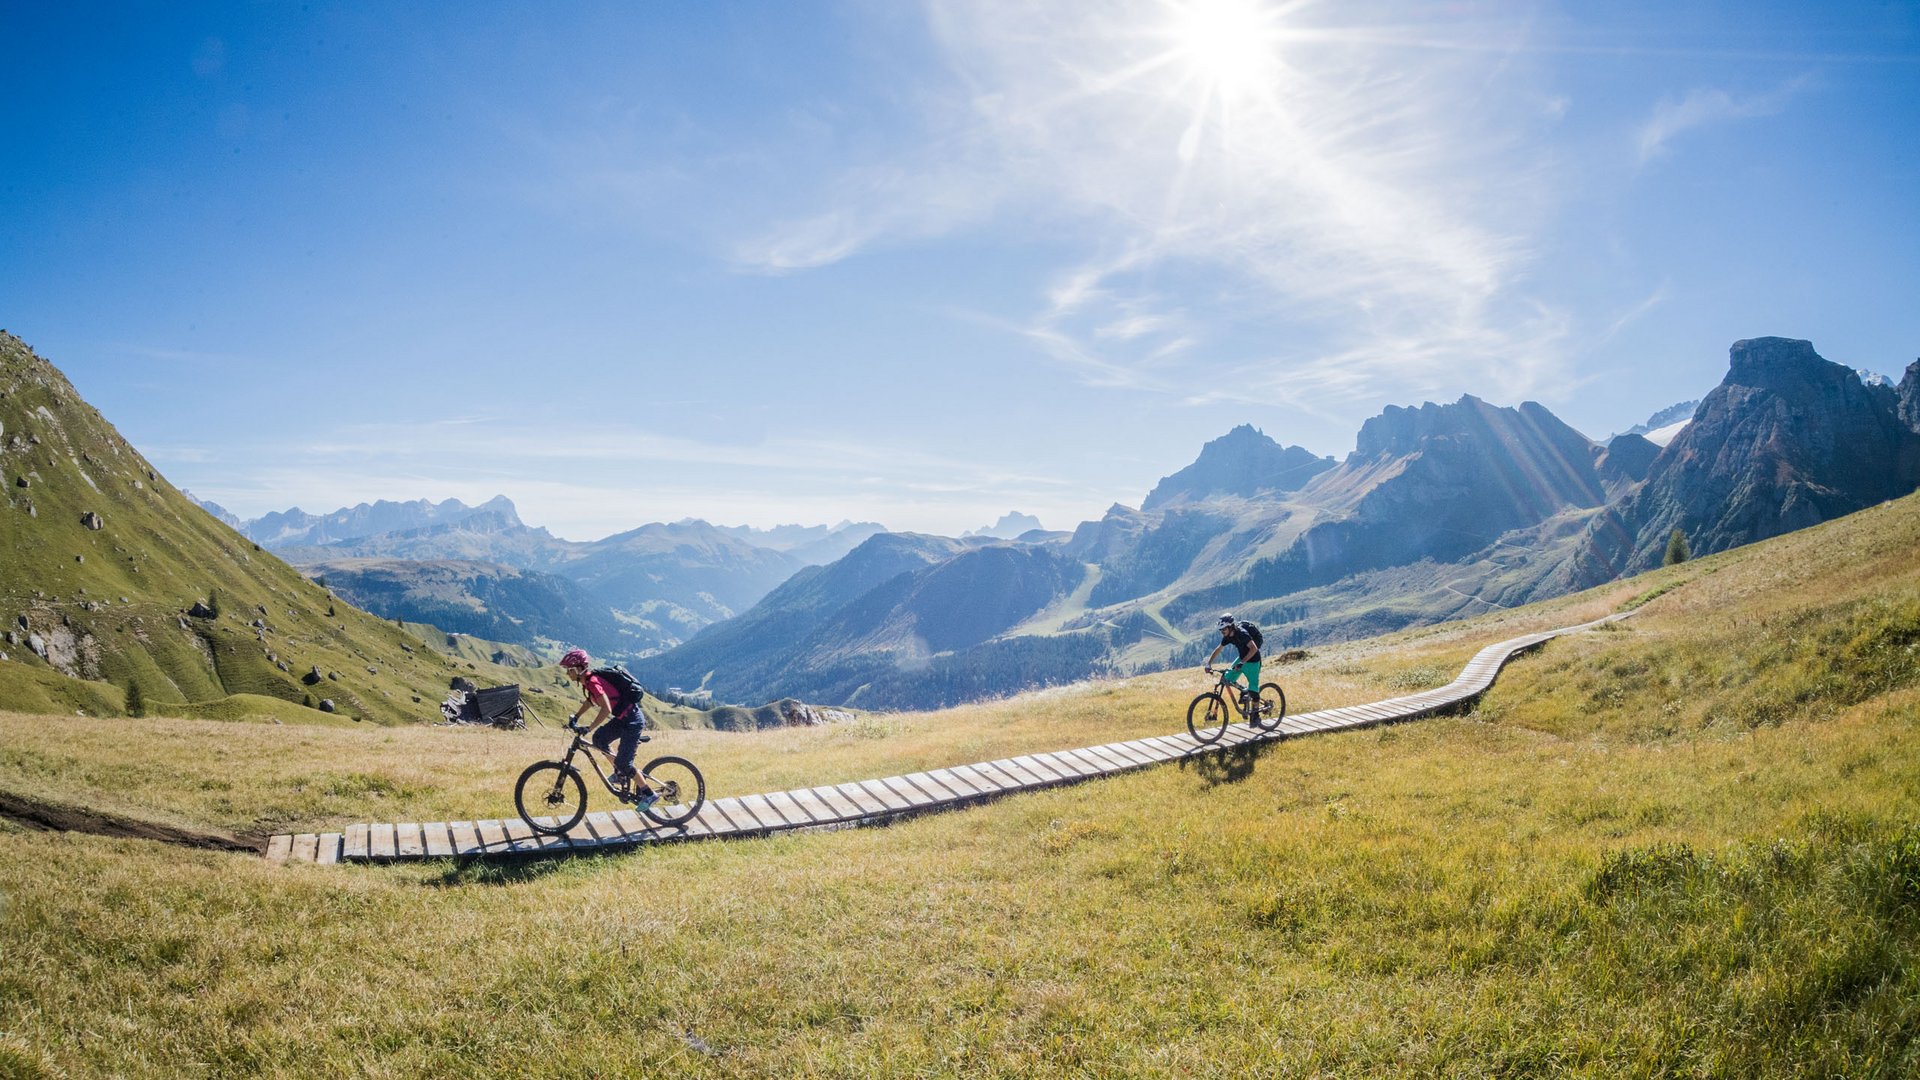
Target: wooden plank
x=736 y=818
x=581 y=835
x=306 y=848
x=493 y=835
x=1104 y=763
x=353 y=844
x=936 y=790
x=701 y=825
x=1024 y=776
x=1153 y=750
x=380 y=841
x=629 y=826
x=438 y=836
x=600 y=824
x=888 y=797
x=519 y=836
x=837 y=801
x=814 y=806
x=406 y=841
x=1129 y=753
x=1073 y=766
x=793 y=810
x=329 y=849
x=466 y=839
x=914 y=796
x=872 y=802
x=764 y=812
x=1079 y=758
x=999 y=774
x=1048 y=772
x=953 y=782
x=279 y=847
x=980 y=781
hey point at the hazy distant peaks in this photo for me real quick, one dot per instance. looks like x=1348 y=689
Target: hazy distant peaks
x=296 y=527
x=1011 y=524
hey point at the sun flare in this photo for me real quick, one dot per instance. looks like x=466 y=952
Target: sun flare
x=1230 y=44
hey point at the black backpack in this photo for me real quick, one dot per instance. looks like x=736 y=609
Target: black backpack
x=1253 y=632
x=624 y=685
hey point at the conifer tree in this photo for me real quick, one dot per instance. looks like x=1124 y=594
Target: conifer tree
x=136 y=700
x=1677 y=551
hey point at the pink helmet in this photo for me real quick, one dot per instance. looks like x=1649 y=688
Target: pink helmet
x=575 y=658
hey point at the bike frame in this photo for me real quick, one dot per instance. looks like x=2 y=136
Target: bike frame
x=581 y=744
x=1231 y=691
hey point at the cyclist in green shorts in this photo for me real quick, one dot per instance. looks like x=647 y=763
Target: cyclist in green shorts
x=1245 y=638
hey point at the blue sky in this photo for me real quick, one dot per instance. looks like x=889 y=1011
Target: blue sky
x=921 y=263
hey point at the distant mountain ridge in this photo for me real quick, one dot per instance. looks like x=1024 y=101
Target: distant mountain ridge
x=1440 y=510
x=655 y=585
x=296 y=528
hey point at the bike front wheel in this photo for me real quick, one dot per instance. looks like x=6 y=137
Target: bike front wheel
x=1272 y=707
x=681 y=788
x=1207 y=717
x=551 y=797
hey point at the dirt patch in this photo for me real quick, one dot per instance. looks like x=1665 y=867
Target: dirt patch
x=50 y=816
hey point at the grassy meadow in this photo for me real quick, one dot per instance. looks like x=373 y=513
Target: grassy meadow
x=1683 y=845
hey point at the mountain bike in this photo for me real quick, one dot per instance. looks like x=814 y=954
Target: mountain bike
x=552 y=795
x=1208 y=716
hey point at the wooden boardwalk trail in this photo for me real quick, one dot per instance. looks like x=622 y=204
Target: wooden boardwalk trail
x=868 y=802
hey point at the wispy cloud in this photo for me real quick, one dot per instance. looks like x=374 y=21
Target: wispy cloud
x=1353 y=188
x=586 y=485
x=1705 y=107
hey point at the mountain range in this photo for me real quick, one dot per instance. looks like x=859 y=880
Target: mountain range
x=481 y=570
x=1439 y=511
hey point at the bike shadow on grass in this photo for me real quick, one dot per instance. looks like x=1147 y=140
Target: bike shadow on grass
x=463 y=873
x=1229 y=766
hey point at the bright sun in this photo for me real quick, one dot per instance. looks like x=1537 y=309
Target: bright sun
x=1229 y=44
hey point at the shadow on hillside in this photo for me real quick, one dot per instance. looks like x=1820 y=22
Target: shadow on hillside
x=1229 y=766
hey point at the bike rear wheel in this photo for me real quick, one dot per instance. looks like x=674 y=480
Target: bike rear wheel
x=1273 y=707
x=681 y=788
x=551 y=797
x=1207 y=717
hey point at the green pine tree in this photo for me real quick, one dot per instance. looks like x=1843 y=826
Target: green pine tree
x=213 y=602
x=136 y=701
x=1677 y=551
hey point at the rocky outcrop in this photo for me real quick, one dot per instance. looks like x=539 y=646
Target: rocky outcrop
x=1626 y=460
x=1787 y=440
x=1244 y=462
x=1908 y=397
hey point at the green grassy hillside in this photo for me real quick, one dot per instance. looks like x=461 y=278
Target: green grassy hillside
x=1686 y=845
x=106 y=561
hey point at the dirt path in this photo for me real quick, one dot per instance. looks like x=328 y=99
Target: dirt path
x=35 y=814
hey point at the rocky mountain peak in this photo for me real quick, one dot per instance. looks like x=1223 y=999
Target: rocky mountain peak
x=1781 y=363
x=1243 y=462
x=1787 y=440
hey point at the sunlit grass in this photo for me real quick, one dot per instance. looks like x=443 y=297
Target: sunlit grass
x=1565 y=881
